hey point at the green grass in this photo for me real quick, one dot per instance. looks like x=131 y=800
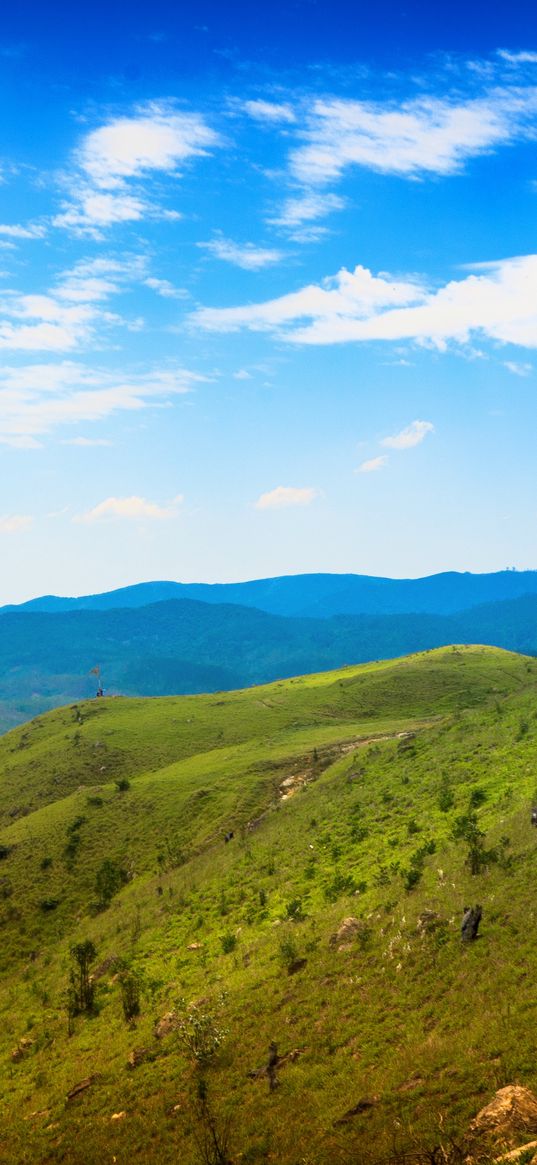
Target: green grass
x=428 y=1027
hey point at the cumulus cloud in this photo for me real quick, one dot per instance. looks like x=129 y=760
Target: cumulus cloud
x=284 y=496
x=414 y=434
x=498 y=302
x=346 y=295
x=129 y=509
x=14 y=523
x=36 y=399
x=246 y=255
x=373 y=464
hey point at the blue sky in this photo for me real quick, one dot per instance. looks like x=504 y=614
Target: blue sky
x=268 y=292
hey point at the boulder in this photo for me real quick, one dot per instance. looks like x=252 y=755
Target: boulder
x=166 y=1025
x=23 y=1047
x=347 y=930
x=511 y=1115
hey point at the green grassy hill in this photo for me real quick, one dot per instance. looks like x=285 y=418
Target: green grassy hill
x=361 y=793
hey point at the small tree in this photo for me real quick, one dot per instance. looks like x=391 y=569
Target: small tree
x=467 y=829
x=81 y=991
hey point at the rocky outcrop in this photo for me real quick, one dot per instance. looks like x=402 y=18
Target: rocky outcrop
x=509 y=1117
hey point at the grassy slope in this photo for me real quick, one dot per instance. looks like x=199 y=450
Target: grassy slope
x=395 y=1010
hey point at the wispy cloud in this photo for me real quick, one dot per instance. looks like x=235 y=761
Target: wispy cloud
x=518 y=369
x=36 y=399
x=518 y=58
x=14 y=523
x=283 y=496
x=68 y=313
x=131 y=509
x=249 y=256
x=30 y=231
x=427 y=135
x=413 y=435
x=498 y=302
x=270 y=111
x=166 y=289
x=307 y=207
x=374 y=464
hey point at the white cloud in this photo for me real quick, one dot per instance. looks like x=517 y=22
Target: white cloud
x=424 y=136
x=14 y=231
x=157 y=139
x=14 y=523
x=130 y=509
x=373 y=464
x=522 y=58
x=270 y=111
x=517 y=368
x=306 y=208
x=284 y=496
x=242 y=374
x=67 y=315
x=413 y=435
x=166 y=289
x=348 y=294
x=96 y=210
x=96 y=279
x=36 y=399
x=499 y=302
x=246 y=255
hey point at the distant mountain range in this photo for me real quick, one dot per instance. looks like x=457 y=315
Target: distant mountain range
x=179 y=646
x=317 y=596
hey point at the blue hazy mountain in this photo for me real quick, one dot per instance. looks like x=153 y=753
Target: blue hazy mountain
x=316 y=595
x=180 y=646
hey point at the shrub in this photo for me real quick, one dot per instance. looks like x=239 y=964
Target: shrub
x=340 y=884
x=446 y=800
x=108 y=882
x=288 y=951
x=228 y=942
x=48 y=904
x=130 y=985
x=199 y=1032
x=122 y=784
x=294 y=911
